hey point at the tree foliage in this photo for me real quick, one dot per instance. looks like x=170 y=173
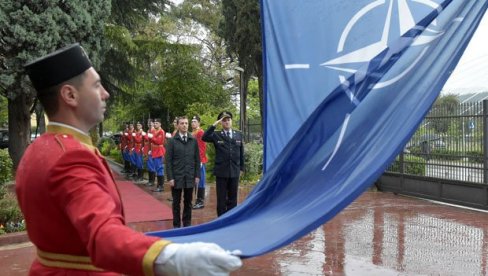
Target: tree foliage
x=447 y=105
x=31 y=29
x=241 y=30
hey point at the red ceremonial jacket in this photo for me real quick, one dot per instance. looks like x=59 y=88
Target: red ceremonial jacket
x=157 y=144
x=147 y=141
x=202 y=146
x=138 y=141
x=73 y=210
x=123 y=139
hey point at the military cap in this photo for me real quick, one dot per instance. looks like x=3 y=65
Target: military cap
x=58 y=66
x=196 y=118
x=224 y=114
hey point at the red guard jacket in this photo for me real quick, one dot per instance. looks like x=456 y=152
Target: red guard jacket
x=73 y=211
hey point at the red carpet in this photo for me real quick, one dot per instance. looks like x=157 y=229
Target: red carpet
x=140 y=206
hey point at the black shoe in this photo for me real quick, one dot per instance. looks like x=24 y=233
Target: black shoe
x=198 y=205
x=149 y=184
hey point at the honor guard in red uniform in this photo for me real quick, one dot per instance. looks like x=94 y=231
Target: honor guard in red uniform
x=158 y=151
x=138 y=144
x=148 y=153
x=123 y=145
x=71 y=205
x=130 y=149
x=202 y=146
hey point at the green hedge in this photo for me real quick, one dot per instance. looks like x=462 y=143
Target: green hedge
x=11 y=219
x=412 y=165
x=474 y=156
x=253 y=159
x=6 y=166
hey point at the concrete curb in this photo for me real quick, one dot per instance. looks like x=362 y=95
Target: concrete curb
x=11 y=238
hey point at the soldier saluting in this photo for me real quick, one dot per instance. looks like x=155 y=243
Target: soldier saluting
x=229 y=160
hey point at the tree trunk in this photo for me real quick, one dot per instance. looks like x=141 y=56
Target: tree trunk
x=100 y=129
x=18 y=126
x=41 y=122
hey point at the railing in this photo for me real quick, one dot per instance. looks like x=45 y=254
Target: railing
x=449 y=144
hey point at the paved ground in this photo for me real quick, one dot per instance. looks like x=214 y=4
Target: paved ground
x=379 y=234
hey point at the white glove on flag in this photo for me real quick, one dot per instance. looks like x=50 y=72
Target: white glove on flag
x=196 y=258
x=150 y=135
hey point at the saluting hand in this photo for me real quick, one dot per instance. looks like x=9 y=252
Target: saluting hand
x=218 y=121
x=171 y=183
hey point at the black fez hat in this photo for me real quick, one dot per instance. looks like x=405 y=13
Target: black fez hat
x=224 y=114
x=58 y=66
x=196 y=118
x=157 y=120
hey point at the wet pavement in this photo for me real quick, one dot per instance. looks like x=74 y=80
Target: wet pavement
x=378 y=234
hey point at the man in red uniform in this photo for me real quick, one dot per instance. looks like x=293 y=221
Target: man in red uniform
x=158 y=151
x=148 y=153
x=122 y=145
x=130 y=151
x=71 y=205
x=202 y=146
x=138 y=144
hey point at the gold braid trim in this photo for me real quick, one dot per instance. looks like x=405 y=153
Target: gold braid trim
x=151 y=255
x=66 y=261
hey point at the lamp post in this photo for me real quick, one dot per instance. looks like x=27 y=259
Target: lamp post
x=242 y=101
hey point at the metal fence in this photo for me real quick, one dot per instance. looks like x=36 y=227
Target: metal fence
x=449 y=144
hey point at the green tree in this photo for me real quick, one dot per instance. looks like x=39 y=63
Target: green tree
x=241 y=30
x=31 y=29
x=3 y=111
x=444 y=106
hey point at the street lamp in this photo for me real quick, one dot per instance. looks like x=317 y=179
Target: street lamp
x=242 y=101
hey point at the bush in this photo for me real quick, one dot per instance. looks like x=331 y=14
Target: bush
x=107 y=147
x=11 y=219
x=116 y=155
x=412 y=165
x=6 y=166
x=253 y=158
x=253 y=162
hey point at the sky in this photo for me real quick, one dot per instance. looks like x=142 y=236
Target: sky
x=472 y=69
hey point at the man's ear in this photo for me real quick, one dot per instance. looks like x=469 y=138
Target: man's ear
x=69 y=94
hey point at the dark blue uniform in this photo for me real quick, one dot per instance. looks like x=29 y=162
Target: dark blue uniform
x=229 y=162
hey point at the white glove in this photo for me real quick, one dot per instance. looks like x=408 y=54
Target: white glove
x=168 y=135
x=149 y=152
x=143 y=133
x=134 y=134
x=126 y=134
x=150 y=135
x=196 y=258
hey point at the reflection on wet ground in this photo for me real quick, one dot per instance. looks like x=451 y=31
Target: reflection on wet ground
x=378 y=234
x=384 y=234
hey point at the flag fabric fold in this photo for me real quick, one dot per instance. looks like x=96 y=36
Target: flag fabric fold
x=341 y=102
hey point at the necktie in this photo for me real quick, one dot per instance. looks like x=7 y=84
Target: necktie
x=184 y=139
x=228 y=133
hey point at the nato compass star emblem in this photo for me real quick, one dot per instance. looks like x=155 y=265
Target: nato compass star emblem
x=398 y=13
x=349 y=62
